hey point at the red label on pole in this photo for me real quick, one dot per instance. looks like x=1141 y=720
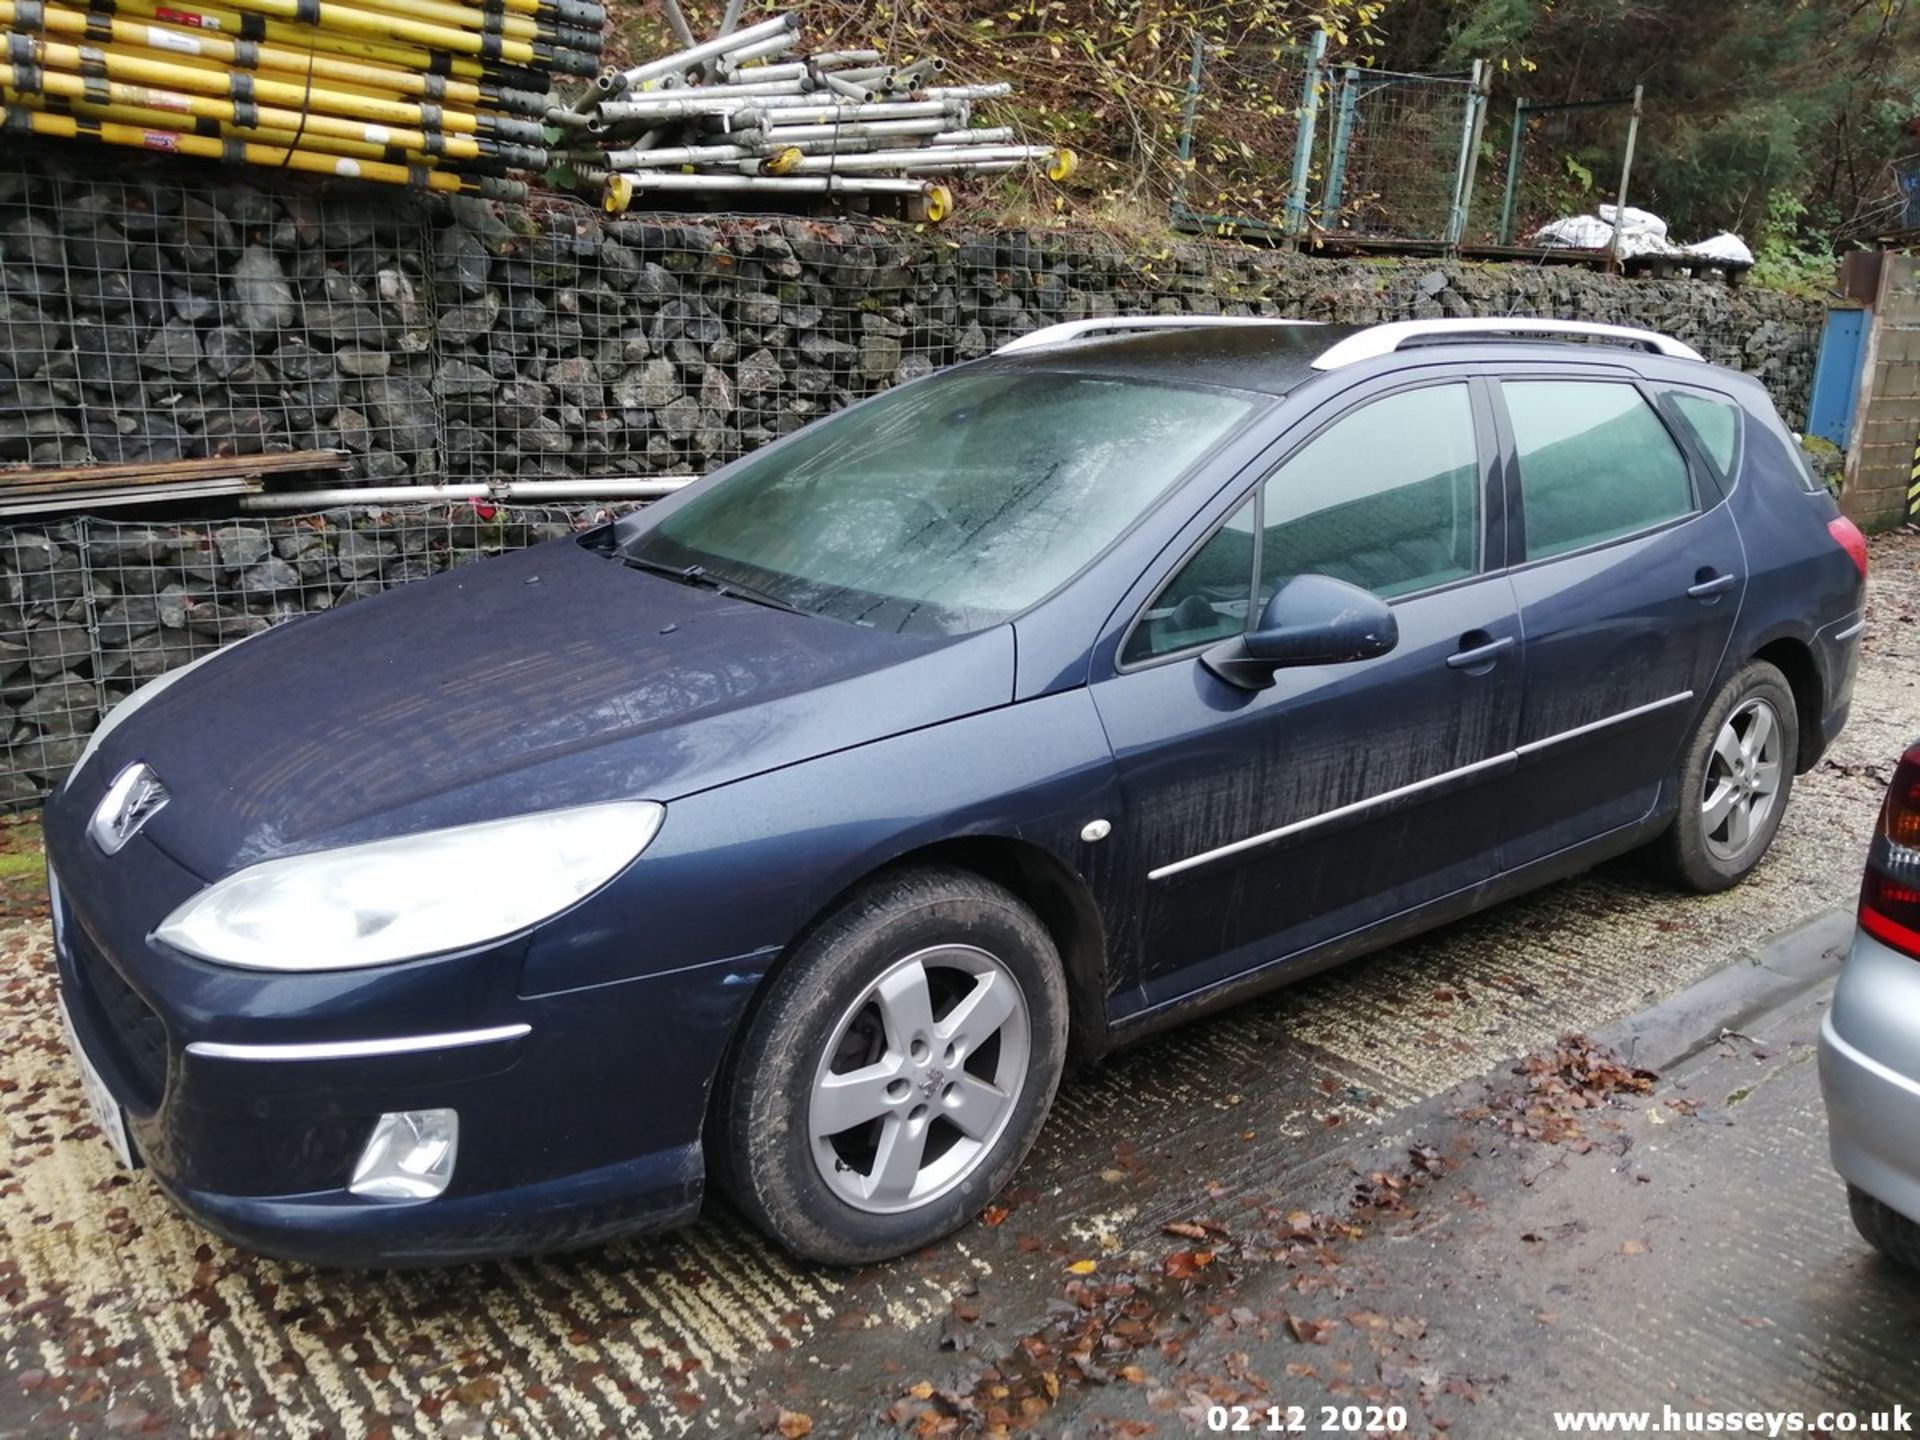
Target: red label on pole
x=185 y=17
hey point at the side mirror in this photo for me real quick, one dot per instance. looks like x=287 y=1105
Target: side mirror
x=1311 y=620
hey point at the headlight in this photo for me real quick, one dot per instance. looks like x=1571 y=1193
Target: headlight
x=120 y=713
x=418 y=895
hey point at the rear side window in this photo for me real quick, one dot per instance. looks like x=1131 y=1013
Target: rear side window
x=1715 y=423
x=1596 y=463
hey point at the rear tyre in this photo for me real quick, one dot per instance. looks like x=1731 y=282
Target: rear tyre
x=1736 y=775
x=1886 y=1229
x=898 y=1069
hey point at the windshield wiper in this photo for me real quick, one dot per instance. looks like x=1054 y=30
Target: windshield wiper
x=697 y=575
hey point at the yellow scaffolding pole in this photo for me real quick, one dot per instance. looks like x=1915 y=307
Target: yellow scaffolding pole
x=207 y=48
x=100 y=94
x=211 y=78
x=139 y=137
x=514 y=42
x=163 y=120
x=427 y=58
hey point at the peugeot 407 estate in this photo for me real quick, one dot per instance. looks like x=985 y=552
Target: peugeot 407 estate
x=796 y=833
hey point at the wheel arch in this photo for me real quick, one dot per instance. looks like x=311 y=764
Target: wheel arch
x=1033 y=874
x=1058 y=895
x=1794 y=658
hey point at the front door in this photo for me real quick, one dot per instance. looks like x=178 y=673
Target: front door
x=1629 y=575
x=1260 y=824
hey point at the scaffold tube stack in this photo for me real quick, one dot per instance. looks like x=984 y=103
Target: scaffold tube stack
x=446 y=95
x=746 y=113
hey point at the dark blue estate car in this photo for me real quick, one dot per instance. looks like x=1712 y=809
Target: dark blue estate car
x=797 y=830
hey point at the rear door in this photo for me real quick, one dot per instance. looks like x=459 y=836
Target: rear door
x=1629 y=575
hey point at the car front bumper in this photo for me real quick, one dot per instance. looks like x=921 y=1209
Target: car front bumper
x=251 y=1095
x=1870 y=1074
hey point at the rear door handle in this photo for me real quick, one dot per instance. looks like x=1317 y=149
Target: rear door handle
x=1484 y=654
x=1712 y=585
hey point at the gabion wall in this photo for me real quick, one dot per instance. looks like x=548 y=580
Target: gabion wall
x=163 y=311
x=171 y=311
x=90 y=608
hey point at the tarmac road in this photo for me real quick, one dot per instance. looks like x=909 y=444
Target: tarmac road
x=120 y=1316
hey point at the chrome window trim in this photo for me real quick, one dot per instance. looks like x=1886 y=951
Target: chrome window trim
x=1505 y=757
x=357 y=1049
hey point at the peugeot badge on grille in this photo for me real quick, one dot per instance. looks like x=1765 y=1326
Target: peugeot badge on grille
x=135 y=797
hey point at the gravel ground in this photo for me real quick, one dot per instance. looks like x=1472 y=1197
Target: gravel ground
x=121 y=1316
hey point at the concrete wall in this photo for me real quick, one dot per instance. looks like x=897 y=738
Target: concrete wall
x=1879 y=487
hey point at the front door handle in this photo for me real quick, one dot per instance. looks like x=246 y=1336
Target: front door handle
x=1709 y=585
x=1484 y=653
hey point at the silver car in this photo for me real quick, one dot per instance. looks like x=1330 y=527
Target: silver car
x=1870 y=1040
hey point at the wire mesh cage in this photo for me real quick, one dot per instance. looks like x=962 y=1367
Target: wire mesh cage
x=1246 y=137
x=1559 y=159
x=162 y=314
x=191 y=311
x=91 y=608
x=1399 y=155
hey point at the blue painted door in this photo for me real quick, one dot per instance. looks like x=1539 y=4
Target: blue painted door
x=1836 y=377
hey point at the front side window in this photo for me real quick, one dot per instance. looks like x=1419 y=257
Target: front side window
x=947 y=506
x=1387 y=498
x=1596 y=463
x=1207 y=599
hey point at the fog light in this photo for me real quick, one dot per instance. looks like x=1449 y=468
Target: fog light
x=409 y=1156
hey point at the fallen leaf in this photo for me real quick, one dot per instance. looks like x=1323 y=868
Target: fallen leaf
x=793 y=1424
x=1083 y=1267
x=1311 y=1332
x=994 y=1214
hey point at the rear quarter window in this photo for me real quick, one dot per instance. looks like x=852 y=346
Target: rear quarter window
x=1715 y=423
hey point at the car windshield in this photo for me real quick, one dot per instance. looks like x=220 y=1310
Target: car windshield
x=947 y=506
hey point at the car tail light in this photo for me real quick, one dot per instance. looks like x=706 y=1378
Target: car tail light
x=1890 y=898
x=1847 y=536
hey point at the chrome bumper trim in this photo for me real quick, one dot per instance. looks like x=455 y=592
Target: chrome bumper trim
x=357 y=1049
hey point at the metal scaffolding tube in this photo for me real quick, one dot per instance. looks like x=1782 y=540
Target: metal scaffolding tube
x=917 y=157
x=683 y=60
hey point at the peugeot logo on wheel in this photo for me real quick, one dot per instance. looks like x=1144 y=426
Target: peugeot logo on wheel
x=135 y=797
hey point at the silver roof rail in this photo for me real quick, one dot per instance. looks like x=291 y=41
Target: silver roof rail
x=1378 y=340
x=1074 y=329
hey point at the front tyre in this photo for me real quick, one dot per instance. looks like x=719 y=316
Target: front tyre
x=1735 y=779
x=898 y=1069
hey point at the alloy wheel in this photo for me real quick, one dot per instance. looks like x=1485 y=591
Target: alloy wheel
x=1743 y=779
x=920 y=1078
